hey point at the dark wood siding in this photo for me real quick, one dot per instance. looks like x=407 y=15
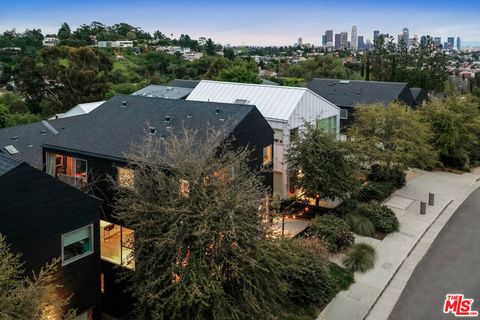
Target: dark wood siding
x=36 y=210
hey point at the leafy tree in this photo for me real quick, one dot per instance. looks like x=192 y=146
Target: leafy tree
x=326 y=66
x=64 y=32
x=200 y=243
x=326 y=165
x=210 y=48
x=293 y=82
x=28 y=298
x=391 y=135
x=229 y=54
x=238 y=73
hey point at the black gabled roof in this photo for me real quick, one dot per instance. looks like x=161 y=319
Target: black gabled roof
x=419 y=95
x=184 y=83
x=7 y=164
x=349 y=93
x=29 y=138
x=110 y=129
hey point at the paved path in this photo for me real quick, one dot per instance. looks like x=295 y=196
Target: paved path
x=451 y=265
x=374 y=293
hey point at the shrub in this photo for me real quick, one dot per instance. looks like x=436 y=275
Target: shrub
x=348 y=206
x=382 y=217
x=333 y=231
x=343 y=277
x=394 y=174
x=361 y=257
x=361 y=225
x=376 y=190
x=306 y=275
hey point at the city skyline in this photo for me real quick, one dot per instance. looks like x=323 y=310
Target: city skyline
x=250 y=23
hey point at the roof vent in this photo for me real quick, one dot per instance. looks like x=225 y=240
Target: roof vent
x=11 y=149
x=49 y=127
x=169 y=88
x=30 y=145
x=217 y=111
x=124 y=103
x=241 y=101
x=189 y=116
x=167 y=119
x=221 y=119
x=344 y=81
x=152 y=131
x=15 y=138
x=44 y=132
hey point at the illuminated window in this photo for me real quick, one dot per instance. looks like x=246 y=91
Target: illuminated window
x=102 y=282
x=125 y=177
x=184 y=188
x=70 y=170
x=116 y=244
x=77 y=244
x=267 y=154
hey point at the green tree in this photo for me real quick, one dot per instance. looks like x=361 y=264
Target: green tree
x=203 y=250
x=326 y=66
x=392 y=136
x=64 y=32
x=326 y=165
x=210 y=48
x=238 y=73
x=23 y=297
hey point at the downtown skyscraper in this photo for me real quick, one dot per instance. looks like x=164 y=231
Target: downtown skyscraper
x=354 y=39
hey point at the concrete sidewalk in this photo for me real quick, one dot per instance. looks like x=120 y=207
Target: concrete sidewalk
x=375 y=292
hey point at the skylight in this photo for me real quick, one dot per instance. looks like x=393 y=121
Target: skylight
x=11 y=149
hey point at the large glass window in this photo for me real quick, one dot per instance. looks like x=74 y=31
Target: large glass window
x=77 y=244
x=328 y=124
x=116 y=244
x=70 y=170
x=267 y=154
x=125 y=177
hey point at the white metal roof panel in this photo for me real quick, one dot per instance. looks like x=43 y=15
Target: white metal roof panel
x=82 y=108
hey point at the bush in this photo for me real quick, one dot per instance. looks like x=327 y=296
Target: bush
x=382 y=217
x=333 y=231
x=396 y=175
x=361 y=225
x=361 y=257
x=348 y=206
x=376 y=190
x=306 y=275
x=343 y=277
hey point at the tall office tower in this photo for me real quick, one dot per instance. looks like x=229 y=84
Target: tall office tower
x=324 y=40
x=344 y=40
x=459 y=44
x=354 y=39
x=300 y=41
x=338 y=40
x=437 y=41
x=329 y=35
x=406 y=36
x=368 y=45
x=400 y=39
x=423 y=40
x=376 y=33
x=361 y=43
x=450 y=43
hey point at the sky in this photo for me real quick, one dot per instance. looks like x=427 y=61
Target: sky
x=249 y=22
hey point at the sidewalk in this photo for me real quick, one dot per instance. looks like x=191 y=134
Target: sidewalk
x=375 y=292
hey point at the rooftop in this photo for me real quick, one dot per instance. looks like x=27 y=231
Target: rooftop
x=168 y=92
x=183 y=83
x=349 y=93
x=7 y=164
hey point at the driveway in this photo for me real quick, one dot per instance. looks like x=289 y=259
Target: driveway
x=451 y=265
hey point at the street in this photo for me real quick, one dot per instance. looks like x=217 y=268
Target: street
x=451 y=265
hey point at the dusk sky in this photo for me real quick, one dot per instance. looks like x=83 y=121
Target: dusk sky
x=248 y=22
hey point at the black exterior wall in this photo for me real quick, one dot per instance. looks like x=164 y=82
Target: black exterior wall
x=35 y=210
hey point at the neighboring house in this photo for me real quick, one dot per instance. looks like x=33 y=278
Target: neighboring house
x=168 y=92
x=44 y=219
x=115 y=44
x=285 y=108
x=183 y=83
x=347 y=94
x=80 y=109
x=420 y=96
x=94 y=147
x=50 y=40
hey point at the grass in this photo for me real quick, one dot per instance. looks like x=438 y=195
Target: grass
x=361 y=257
x=361 y=225
x=343 y=277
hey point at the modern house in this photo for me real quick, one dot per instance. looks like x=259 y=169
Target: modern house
x=168 y=92
x=92 y=149
x=285 y=108
x=347 y=94
x=419 y=96
x=44 y=219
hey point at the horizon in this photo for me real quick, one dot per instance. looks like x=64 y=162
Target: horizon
x=252 y=24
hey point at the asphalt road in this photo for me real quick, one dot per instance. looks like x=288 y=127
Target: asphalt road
x=451 y=265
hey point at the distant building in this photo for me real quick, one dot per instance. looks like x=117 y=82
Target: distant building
x=324 y=40
x=459 y=44
x=400 y=38
x=438 y=42
x=202 y=41
x=115 y=44
x=450 y=43
x=50 y=40
x=354 y=39
x=338 y=40
x=344 y=40
x=329 y=35
x=406 y=36
x=361 y=43
x=376 y=34
x=299 y=41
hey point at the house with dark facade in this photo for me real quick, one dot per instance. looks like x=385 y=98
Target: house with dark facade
x=91 y=152
x=347 y=94
x=44 y=219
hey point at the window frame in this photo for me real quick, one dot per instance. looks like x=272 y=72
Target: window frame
x=345 y=113
x=91 y=251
